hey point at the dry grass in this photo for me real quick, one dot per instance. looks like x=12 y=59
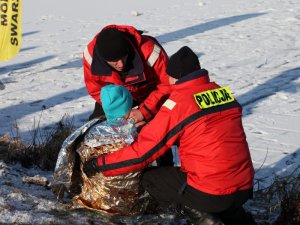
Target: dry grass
x=42 y=153
x=278 y=204
x=290 y=202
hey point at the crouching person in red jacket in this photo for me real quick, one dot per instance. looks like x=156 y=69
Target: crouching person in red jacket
x=122 y=55
x=205 y=121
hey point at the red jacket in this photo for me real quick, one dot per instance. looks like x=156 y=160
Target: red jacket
x=212 y=144
x=147 y=80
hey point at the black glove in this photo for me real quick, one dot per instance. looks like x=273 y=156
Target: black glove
x=91 y=167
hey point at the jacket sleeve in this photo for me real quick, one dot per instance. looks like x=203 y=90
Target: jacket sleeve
x=154 y=140
x=152 y=103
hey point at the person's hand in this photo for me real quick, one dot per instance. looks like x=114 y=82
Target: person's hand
x=136 y=115
x=91 y=167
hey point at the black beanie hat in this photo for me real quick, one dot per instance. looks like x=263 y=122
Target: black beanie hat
x=183 y=62
x=111 y=44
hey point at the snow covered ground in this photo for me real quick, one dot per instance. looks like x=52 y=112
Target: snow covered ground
x=251 y=46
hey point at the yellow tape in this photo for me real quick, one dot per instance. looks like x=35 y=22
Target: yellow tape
x=10 y=28
x=213 y=97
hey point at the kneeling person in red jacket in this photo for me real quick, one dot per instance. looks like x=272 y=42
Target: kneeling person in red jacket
x=205 y=121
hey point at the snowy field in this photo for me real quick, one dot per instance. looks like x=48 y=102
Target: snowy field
x=251 y=46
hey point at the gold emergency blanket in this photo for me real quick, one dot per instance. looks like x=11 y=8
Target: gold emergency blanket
x=120 y=194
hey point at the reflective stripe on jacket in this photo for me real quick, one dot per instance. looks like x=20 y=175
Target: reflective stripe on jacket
x=212 y=144
x=148 y=84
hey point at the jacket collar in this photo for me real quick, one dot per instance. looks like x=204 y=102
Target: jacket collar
x=203 y=73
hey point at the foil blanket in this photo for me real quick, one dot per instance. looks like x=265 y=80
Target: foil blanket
x=122 y=194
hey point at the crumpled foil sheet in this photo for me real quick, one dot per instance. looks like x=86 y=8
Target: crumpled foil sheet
x=122 y=194
x=118 y=130
x=62 y=177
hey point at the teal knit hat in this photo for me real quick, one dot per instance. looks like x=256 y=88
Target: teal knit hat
x=116 y=101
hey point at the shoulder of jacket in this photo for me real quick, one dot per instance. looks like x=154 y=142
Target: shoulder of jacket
x=169 y=104
x=151 y=50
x=147 y=41
x=88 y=51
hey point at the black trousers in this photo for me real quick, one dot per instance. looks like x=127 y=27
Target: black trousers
x=168 y=185
x=164 y=160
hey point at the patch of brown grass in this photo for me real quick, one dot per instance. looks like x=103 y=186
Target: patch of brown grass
x=290 y=205
x=278 y=204
x=43 y=154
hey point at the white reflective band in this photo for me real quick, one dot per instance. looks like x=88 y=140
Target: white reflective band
x=154 y=55
x=169 y=104
x=87 y=55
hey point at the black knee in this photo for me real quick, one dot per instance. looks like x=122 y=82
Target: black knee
x=237 y=216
